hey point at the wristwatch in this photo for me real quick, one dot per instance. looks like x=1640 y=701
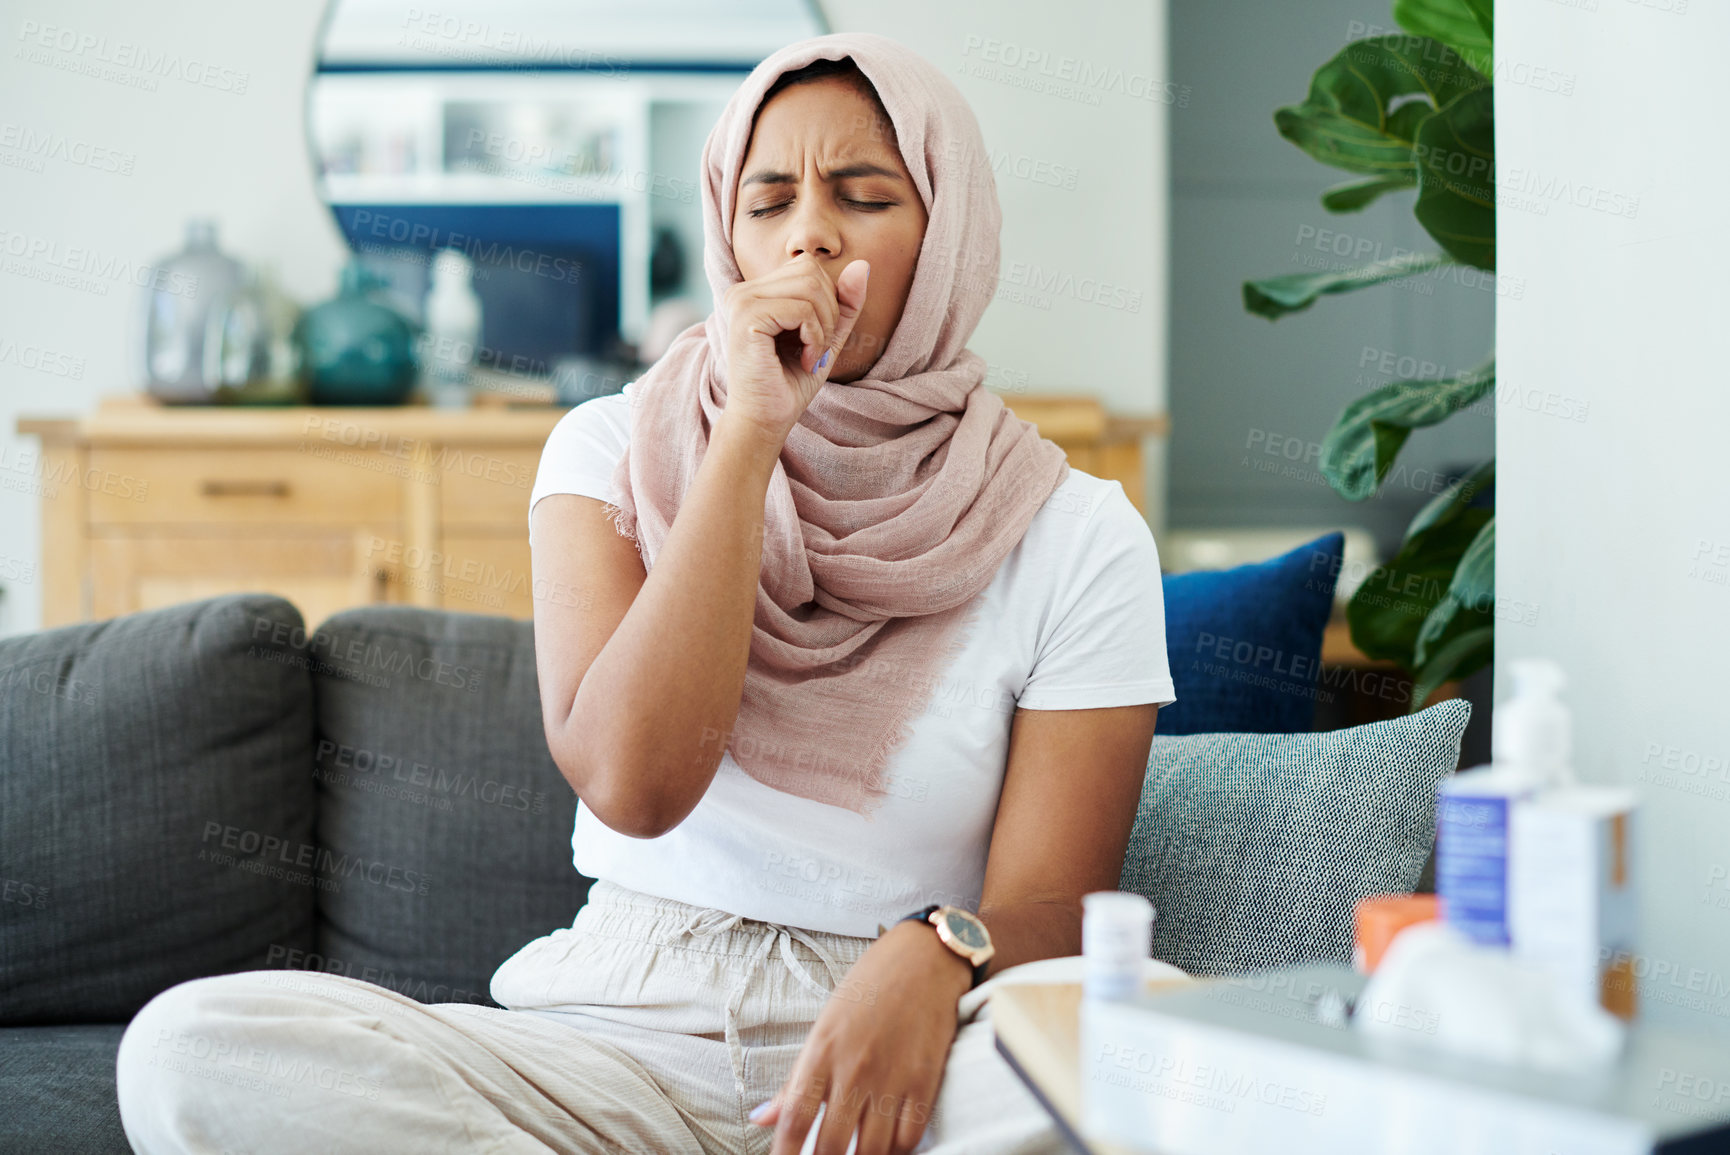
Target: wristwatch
x=961 y=931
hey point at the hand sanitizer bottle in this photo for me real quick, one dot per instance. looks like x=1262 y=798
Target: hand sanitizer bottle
x=1474 y=813
x=1571 y=906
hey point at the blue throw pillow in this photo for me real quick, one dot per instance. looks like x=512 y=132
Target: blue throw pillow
x=1245 y=644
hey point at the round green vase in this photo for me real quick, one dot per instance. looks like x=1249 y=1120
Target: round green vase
x=355 y=350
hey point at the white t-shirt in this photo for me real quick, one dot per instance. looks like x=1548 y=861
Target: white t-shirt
x=1074 y=619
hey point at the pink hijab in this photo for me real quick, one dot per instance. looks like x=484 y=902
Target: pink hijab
x=896 y=497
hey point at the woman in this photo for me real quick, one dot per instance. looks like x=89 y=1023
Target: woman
x=833 y=638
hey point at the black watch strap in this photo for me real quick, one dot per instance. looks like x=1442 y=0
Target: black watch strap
x=923 y=914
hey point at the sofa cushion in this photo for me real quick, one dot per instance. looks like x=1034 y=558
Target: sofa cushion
x=1245 y=644
x=447 y=824
x=141 y=759
x=59 y=1088
x=1255 y=848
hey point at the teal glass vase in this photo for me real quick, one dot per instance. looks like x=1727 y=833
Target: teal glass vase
x=355 y=350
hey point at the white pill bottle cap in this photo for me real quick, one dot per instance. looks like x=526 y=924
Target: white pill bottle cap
x=1533 y=730
x=1119 y=906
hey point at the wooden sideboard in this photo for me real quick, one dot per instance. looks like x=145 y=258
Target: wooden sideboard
x=146 y=505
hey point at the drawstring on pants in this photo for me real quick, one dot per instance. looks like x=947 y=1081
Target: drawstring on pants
x=711 y=921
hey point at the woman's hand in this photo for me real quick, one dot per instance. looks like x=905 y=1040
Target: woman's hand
x=779 y=326
x=876 y=1053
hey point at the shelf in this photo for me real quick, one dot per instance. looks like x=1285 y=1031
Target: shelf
x=475 y=188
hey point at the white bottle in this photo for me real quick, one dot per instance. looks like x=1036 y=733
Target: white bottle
x=1474 y=819
x=1116 y=942
x=453 y=331
x=1571 y=912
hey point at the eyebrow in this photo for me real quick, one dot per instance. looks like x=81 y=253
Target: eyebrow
x=863 y=168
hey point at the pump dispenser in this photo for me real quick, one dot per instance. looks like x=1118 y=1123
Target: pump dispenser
x=1533 y=730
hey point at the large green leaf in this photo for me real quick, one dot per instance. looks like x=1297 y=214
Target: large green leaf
x=1437 y=589
x=1463 y=25
x=1436 y=627
x=1350 y=119
x=1274 y=297
x=1456 y=152
x=1474 y=581
x=1466 y=654
x=1362 y=445
x=1463 y=492
x=1389 y=609
x=1354 y=195
x=1473 y=586
x=1484 y=12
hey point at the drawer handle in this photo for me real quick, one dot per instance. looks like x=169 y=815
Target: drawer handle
x=213 y=488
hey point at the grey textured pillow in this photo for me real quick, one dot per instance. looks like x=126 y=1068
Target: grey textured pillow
x=140 y=759
x=438 y=800
x=1255 y=847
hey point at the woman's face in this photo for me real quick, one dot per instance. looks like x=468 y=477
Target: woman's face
x=823 y=175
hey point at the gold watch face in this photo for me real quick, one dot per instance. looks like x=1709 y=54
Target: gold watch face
x=966 y=929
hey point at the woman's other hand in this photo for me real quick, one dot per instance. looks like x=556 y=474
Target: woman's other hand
x=875 y=1056
x=779 y=326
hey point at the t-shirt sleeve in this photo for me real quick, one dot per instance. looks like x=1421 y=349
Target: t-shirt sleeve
x=582 y=451
x=1105 y=645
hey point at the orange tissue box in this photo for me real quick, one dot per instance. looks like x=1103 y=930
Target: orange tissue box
x=1378 y=918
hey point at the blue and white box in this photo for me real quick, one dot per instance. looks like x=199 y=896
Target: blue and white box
x=1474 y=812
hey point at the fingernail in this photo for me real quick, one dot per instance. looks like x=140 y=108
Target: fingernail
x=823 y=360
x=760 y=1110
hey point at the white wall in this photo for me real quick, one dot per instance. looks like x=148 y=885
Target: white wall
x=1089 y=217
x=1617 y=528
x=241 y=157
x=1016 y=62
x=191 y=147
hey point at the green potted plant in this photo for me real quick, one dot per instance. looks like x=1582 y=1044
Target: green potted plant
x=1410 y=110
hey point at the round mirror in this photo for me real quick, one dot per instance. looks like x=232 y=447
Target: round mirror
x=555 y=146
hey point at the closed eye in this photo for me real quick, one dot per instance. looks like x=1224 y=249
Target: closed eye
x=869 y=206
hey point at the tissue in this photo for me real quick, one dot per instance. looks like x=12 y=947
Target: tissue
x=1436 y=988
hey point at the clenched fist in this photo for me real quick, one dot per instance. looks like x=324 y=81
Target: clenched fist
x=784 y=331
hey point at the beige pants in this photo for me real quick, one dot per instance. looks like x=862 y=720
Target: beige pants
x=647 y=1026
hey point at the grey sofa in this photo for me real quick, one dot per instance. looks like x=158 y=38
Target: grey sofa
x=211 y=788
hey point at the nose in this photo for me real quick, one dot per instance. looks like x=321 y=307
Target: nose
x=812 y=224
